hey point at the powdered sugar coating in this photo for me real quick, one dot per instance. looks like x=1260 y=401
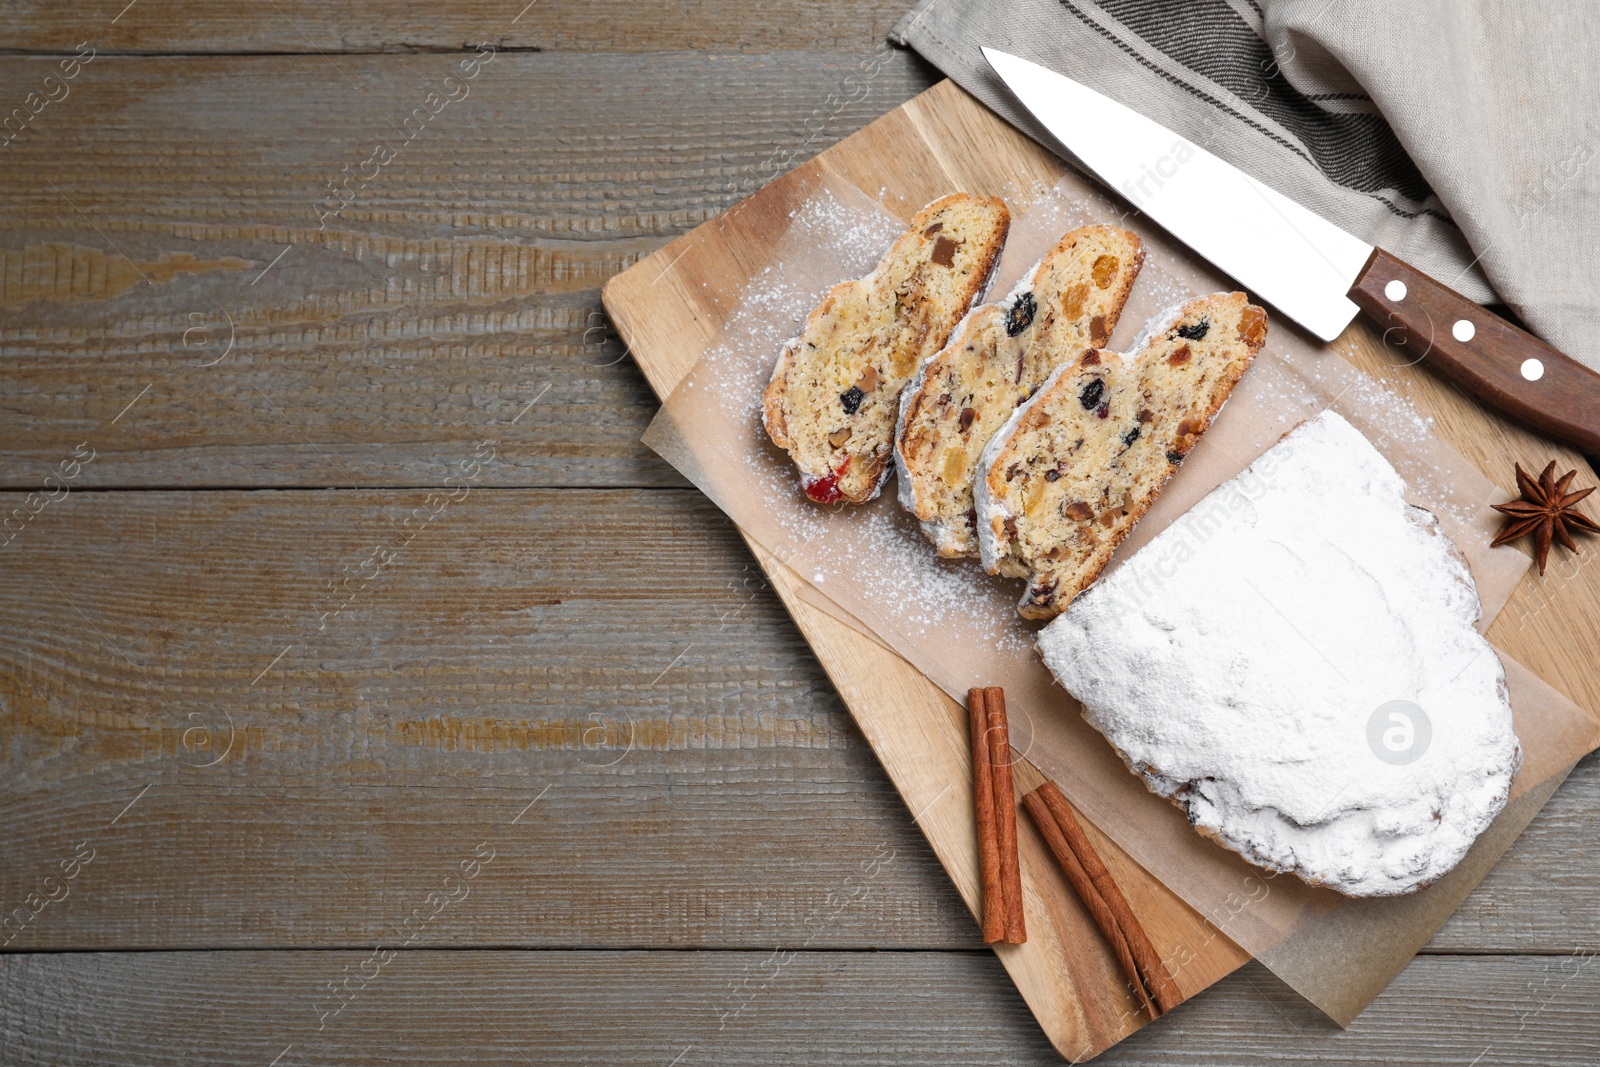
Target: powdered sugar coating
x=1239 y=661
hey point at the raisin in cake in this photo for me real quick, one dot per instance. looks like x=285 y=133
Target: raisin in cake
x=996 y=358
x=1072 y=471
x=1294 y=663
x=835 y=392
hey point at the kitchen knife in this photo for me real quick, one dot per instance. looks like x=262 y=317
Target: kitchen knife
x=1311 y=270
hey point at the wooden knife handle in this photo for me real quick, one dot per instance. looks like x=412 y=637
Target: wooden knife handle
x=1501 y=365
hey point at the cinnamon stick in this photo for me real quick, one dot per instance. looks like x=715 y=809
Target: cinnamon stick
x=1005 y=805
x=1162 y=988
x=993 y=905
x=1092 y=900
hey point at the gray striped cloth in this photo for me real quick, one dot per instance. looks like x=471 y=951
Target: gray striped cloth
x=1456 y=134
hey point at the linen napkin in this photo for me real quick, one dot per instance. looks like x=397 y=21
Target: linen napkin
x=1457 y=134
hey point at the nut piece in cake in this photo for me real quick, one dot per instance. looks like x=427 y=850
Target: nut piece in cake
x=835 y=392
x=994 y=361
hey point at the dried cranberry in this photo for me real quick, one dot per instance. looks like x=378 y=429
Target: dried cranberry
x=1103 y=410
x=851 y=399
x=1195 y=332
x=1020 y=315
x=1090 y=396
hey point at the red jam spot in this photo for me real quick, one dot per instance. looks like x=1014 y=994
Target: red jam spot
x=825 y=490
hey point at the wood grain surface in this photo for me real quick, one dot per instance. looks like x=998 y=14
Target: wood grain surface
x=694 y=750
x=169 y=208
x=306 y=26
x=652 y=1008
x=505 y=652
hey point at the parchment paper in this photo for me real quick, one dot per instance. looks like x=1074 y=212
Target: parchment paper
x=959 y=626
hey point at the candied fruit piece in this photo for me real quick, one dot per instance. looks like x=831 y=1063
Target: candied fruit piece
x=1253 y=326
x=1104 y=270
x=1072 y=304
x=825 y=490
x=954 y=467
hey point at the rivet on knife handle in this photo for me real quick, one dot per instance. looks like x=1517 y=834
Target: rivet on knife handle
x=1481 y=352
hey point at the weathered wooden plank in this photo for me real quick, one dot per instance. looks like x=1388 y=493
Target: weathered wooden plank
x=613 y=656
x=410 y=25
x=705 y=785
x=733 y=1007
x=166 y=208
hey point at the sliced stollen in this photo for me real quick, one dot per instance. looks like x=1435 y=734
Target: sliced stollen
x=835 y=392
x=1293 y=662
x=1071 y=472
x=997 y=357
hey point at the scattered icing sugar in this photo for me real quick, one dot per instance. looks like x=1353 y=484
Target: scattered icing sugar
x=876 y=561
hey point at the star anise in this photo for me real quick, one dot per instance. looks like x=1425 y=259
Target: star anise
x=1546 y=511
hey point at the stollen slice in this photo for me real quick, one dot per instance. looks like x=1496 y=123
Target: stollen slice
x=997 y=357
x=835 y=392
x=1073 y=469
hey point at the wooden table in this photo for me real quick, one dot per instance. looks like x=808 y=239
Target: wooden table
x=372 y=694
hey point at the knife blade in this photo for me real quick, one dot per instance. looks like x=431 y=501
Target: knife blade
x=1307 y=267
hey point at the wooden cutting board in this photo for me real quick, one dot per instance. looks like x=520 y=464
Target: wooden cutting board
x=670 y=307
